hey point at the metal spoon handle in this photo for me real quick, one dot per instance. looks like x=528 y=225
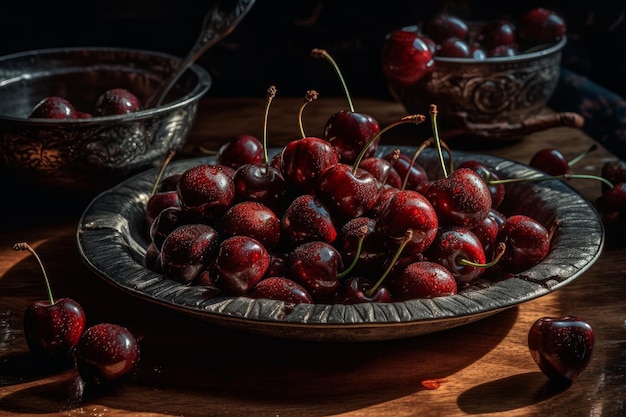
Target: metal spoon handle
x=219 y=22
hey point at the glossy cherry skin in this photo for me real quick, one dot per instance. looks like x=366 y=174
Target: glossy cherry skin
x=445 y=26
x=539 y=26
x=303 y=161
x=412 y=174
x=256 y=220
x=423 y=279
x=354 y=291
x=454 y=243
x=349 y=132
x=262 y=183
x=612 y=208
x=117 y=101
x=551 y=161
x=462 y=199
x=453 y=48
x=405 y=210
x=188 y=250
x=497 y=191
x=487 y=232
x=106 y=353
x=503 y=51
x=562 y=347
x=316 y=266
x=53 y=107
x=52 y=331
x=496 y=33
x=206 y=190
x=239 y=150
x=406 y=57
x=165 y=223
x=159 y=202
x=283 y=289
x=527 y=243
x=382 y=170
x=614 y=171
x=307 y=219
x=240 y=264
x=347 y=193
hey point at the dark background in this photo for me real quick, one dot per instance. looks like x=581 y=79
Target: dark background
x=272 y=44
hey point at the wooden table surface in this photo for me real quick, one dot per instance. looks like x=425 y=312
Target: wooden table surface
x=192 y=368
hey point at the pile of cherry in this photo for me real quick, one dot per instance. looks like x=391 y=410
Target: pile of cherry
x=408 y=53
x=111 y=102
x=326 y=221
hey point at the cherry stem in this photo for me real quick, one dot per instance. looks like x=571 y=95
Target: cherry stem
x=433 y=117
x=27 y=247
x=321 y=53
x=407 y=238
x=552 y=177
x=413 y=118
x=395 y=155
x=308 y=97
x=582 y=155
x=428 y=142
x=271 y=93
x=170 y=155
x=500 y=251
x=359 y=248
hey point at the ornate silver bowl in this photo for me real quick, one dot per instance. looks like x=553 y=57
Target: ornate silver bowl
x=495 y=97
x=92 y=153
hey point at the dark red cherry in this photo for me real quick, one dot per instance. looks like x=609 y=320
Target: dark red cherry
x=239 y=150
x=256 y=220
x=117 y=101
x=423 y=279
x=53 y=107
x=316 y=266
x=188 y=250
x=206 y=190
x=445 y=26
x=614 y=171
x=349 y=132
x=453 y=48
x=347 y=192
x=282 y=289
x=454 y=245
x=406 y=57
x=462 y=199
x=304 y=160
x=562 y=347
x=241 y=262
x=497 y=33
x=307 y=219
x=408 y=210
x=551 y=161
x=539 y=26
x=497 y=191
x=261 y=183
x=527 y=243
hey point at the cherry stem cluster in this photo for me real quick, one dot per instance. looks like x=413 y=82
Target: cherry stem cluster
x=321 y=53
x=25 y=246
